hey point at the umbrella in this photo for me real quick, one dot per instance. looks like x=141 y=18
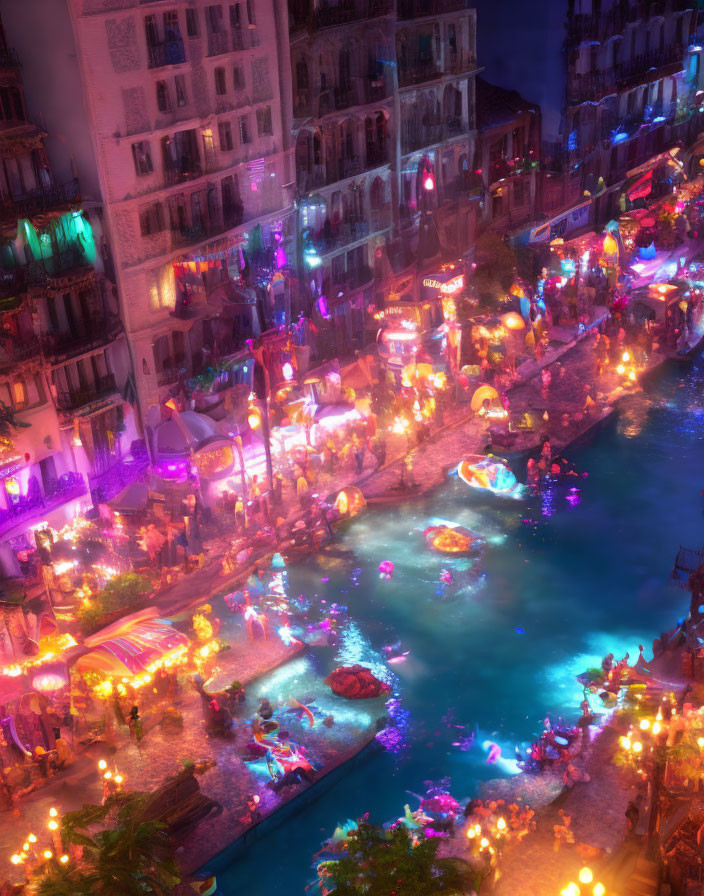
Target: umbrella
x=481 y=395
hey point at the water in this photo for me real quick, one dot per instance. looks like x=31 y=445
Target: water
x=546 y=600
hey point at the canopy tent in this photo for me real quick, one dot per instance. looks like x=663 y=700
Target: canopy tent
x=192 y=434
x=132 y=646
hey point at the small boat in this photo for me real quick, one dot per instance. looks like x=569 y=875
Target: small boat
x=490 y=474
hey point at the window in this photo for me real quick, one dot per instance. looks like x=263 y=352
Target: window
x=150 y=219
x=151 y=31
x=214 y=19
x=238 y=77
x=162 y=96
x=250 y=12
x=142 y=158
x=235 y=20
x=181 y=98
x=19 y=394
x=264 y=127
x=192 y=22
x=220 y=85
x=244 y=129
x=225 y=134
x=172 y=30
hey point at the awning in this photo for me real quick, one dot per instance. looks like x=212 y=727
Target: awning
x=132 y=647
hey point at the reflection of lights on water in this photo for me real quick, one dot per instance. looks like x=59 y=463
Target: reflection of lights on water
x=354 y=648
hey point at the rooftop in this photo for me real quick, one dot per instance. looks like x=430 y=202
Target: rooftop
x=496 y=105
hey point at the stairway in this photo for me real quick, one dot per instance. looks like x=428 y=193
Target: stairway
x=644 y=880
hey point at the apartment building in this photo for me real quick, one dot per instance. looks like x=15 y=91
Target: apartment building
x=383 y=117
x=65 y=423
x=181 y=105
x=616 y=81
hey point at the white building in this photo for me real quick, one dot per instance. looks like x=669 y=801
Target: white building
x=182 y=107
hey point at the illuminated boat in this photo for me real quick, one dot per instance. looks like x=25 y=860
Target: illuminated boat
x=490 y=474
x=451 y=539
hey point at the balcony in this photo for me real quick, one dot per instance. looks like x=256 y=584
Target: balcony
x=60 y=263
x=72 y=401
x=418 y=72
x=356 y=277
x=591 y=27
x=41 y=201
x=591 y=87
x=347 y=232
x=349 y=11
x=172 y=370
x=418 y=9
x=244 y=39
x=67 y=488
x=218 y=43
x=14 y=351
x=416 y=136
x=98 y=331
x=375 y=90
x=180 y=171
x=168 y=52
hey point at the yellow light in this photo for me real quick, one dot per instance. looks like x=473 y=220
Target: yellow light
x=15 y=859
x=632 y=376
x=657 y=728
x=599 y=889
x=53 y=825
x=53 y=812
x=63 y=859
x=501 y=824
x=625 y=742
x=700 y=742
x=483 y=843
x=102 y=765
x=32 y=838
x=620 y=369
x=47 y=854
x=570 y=890
x=585 y=875
x=471 y=833
x=119 y=779
x=25 y=847
x=107 y=776
x=626 y=357
x=637 y=747
x=644 y=724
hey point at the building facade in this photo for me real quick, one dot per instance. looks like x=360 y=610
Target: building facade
x=187 y=119
x=65 y=423
x=384 y=127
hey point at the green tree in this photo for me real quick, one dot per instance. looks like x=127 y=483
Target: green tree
x=121 y=595
x=128 y=856
x=495 y=270
x=389 y=863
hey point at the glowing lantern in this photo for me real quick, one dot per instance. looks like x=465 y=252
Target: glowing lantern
x=585 y=875
x=287 y=370
x=429 y=183
x=610 y=246
x=254 y=418
x=599 y=889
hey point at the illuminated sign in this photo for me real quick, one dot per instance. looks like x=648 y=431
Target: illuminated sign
x=449 y=288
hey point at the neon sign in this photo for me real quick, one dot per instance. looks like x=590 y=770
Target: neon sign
x=447 y=289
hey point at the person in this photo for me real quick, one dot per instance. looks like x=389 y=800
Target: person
x=632 y=814
x=359 y=457
x=302 y=490
x=265 y=710
x=239 y=514
x=134 y=723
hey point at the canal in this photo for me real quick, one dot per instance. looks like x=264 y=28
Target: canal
x=563 y=579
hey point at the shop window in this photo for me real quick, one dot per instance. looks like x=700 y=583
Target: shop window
x=142 y=157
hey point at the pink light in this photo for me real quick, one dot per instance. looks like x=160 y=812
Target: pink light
x=398 y=336
x=429 y=183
